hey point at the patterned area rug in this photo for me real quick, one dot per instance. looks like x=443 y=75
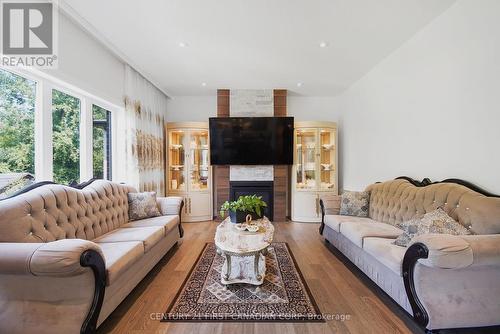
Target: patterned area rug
x=283 y=297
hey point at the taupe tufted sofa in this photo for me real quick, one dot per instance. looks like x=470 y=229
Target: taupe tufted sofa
x=444 y=281
x=68 y=257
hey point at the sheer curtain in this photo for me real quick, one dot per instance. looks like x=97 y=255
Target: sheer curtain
x=141 y=135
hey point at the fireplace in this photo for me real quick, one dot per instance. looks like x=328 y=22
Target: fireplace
x=259 y=188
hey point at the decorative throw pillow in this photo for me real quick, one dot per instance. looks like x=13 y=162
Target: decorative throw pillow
x=355 y=203
x=142 y=205
x=436 y=221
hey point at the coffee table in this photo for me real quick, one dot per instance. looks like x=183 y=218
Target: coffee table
x=244 y=252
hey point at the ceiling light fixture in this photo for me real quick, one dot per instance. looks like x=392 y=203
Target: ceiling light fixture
x=182 y=44
x=204 y=84
x=299 y=84
x=323 y=44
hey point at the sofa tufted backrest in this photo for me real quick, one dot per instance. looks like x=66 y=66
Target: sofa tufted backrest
x=52 y=212
x=398 y=200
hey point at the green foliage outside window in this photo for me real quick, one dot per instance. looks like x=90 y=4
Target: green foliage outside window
x=17 y=119
x=65 y=137
x=17 y=131
x=99 y=116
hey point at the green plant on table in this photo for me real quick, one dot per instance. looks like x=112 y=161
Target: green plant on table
x=248 y=203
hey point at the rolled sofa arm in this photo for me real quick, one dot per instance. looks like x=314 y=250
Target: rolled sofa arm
x=455 y=252
x=330 y=205
x=60 y=260
x=172 y=205
x=445 y=251
x=57 y=258
x=447 y=277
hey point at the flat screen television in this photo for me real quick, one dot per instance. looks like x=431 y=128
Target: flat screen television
x=251 y=140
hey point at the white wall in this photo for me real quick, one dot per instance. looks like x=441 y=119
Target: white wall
x=191 y=108
x=431 y=109
x=87 y=64
x=200 y=108
x=316 y=108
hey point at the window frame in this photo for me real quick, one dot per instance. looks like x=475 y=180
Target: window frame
x=45 y=84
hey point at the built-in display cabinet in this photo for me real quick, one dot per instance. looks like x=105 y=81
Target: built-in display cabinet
x=188 y=169
x=315 y=168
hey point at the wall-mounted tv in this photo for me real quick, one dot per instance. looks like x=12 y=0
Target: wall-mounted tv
x=251 y=140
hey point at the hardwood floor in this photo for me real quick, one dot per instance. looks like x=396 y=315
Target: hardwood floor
x=337 y=286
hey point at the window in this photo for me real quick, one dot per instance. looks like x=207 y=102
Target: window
x=101 y=142
x=51 y=131
x=65 y=137
x=17 y=132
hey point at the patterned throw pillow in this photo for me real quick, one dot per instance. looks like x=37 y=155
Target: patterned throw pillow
x=355 y=203
x=142 y=205
x=436 y=221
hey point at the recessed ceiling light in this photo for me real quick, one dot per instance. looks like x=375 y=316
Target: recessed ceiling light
x=299 y=84
x=203 y=84
x=182 y=44
x=323 y=44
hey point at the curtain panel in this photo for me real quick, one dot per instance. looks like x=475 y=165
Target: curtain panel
x=142 y=134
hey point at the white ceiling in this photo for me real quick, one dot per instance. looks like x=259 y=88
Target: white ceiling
x=256 y=43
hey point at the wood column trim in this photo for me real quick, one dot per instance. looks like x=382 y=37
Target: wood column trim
x=221 y=173
x=281 y=173
x=280 y=102
x=223 y=103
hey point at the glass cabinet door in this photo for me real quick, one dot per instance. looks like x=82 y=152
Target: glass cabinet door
x=306 y=159
x=198 y=160
x=176 y=154
x=327 y=159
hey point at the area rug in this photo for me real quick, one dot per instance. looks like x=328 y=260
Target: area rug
x=283 y=297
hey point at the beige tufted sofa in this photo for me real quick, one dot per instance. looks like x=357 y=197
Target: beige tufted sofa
x=68 y=257
x=444 y=281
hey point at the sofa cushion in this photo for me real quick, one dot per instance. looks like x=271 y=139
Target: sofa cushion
x=334 y=221
x=149 y=235
x=385 y=252
x=168 y=222
x=119 y=256
x=356 y=232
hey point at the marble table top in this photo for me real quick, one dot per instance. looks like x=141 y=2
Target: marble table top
x=229 y=239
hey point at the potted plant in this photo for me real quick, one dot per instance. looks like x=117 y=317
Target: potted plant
x=245 y=205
